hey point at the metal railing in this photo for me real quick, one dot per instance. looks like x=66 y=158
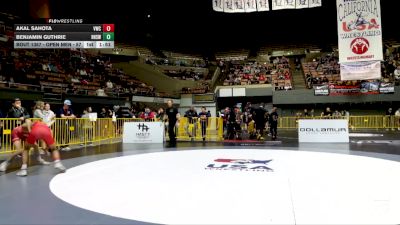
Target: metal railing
x=84 y=131
x=106 y=130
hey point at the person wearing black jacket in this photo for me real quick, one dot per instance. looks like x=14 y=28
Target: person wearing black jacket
x=173 y=121
x=203 y=117
x=233 y=124
x=17 y=111
x=273 y=121
x=260 y=120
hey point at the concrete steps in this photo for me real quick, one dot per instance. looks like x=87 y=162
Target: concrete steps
x=298 y=77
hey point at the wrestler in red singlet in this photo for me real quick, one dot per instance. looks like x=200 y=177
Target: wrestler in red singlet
x=40 y=131
x=19 y=136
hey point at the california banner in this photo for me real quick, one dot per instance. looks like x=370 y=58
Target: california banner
x=301 y=4
x=262 y=5
x=360 y=70
x=316 y=3
x=218 y=5
x=228 y=6
x=278 y=4
x=359 y=30
x=290 y=4
x=250 y=5
x=283 y=4
x=238 y=6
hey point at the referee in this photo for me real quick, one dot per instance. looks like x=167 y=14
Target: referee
x=173 y=121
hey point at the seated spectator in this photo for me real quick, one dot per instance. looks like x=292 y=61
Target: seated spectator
x=147 y=115
x=397 y=73
x=100 y=92
x=109 y=84
x=71 y=89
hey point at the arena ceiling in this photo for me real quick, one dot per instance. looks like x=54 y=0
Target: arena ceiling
x=193 y=25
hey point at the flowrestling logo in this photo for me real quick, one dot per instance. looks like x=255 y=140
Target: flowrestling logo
x=240 y=165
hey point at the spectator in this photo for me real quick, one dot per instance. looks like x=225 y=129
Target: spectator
x=327 y=112
x=38 y=110
x=251 y=128
x=309 y=81
x=17 y=111
x=336 y=114
x=66 y=112
x=48 y=115
x=389 y=112
x=100 y=92
x=397 y=115
x=147 y=115
x=103 y=113
x=346 y=113
x=161 y=115
x=87 y=135
x=397 y=73
x=312 y=113
x=191 y=114
x=71 y=89
x=109 y=84
x=306 y=114
x=123 y=112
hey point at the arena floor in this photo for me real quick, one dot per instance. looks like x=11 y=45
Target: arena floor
x=211 y=183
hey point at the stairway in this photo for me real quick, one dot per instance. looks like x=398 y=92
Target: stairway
x=151 y=75
x=52 y=98
x=299 y=82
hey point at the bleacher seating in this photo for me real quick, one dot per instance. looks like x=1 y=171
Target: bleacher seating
x=66 y=71
x=322 y=70
x=181 y=68
x=277 y=73
x=326 y=69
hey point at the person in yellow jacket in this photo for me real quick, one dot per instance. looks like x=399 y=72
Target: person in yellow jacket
x=251 y=128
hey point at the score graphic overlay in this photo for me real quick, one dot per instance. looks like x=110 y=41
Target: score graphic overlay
x=28 y=36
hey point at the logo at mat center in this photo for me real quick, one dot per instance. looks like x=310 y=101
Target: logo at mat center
x=359 y=46
x=240 y=165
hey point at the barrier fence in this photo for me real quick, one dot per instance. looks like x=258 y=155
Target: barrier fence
x=84 y=131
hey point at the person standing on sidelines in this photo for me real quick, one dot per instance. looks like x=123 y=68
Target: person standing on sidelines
x=66 y=112
x=48 y=115
x=397 y=116
x=19 y=135
x=191 y=127
x=39 y=131
x=173 y=121
x=203 y=117
x=38 y=113
x=273 y=122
